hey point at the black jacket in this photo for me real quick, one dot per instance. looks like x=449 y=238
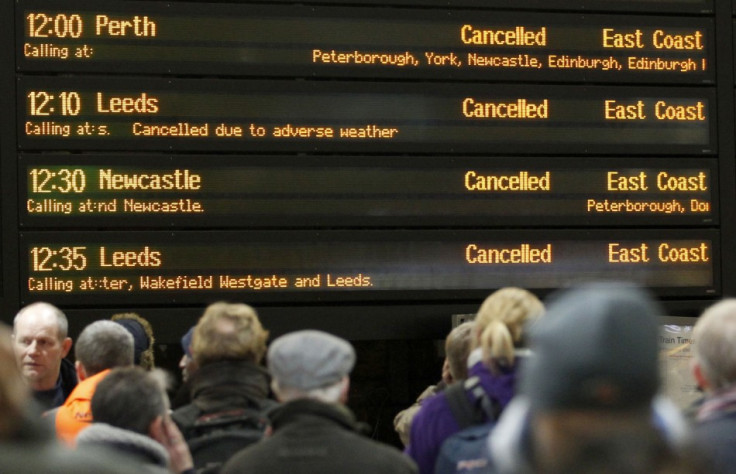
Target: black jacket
x=223 y=386
x=48 y=399
x=309 y=437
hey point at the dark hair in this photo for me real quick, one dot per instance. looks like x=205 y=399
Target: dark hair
x=129 y=398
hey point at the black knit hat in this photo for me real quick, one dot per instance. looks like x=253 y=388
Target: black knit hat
x=141 y=342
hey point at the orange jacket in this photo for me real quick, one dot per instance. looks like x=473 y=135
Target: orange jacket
x=76 y=412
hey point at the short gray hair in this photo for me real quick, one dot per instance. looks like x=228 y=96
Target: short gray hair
x=104 y=345
x=43 y=307
x=714 y=338
x=329 y=394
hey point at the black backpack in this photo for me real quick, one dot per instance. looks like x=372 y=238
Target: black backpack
x=476 y=414
x=215 y=437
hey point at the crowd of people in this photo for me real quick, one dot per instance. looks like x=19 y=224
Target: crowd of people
x=571 y=385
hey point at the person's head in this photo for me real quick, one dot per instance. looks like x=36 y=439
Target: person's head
x=714 y=363
x=500 y=324
x=130 y=398
x=102 y=345
x=310 y=364
x=40 y=342
x=457 y=349
x=228 y=331
x=594 y=371
x=13 y=391
x=143 y=340
x=187 y=364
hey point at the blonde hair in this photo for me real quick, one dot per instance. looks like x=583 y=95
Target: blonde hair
x=228 y=331
x=499 y=324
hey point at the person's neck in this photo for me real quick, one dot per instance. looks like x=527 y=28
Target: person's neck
x=43 y=385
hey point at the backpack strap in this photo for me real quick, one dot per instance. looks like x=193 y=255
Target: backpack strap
x=470 y=404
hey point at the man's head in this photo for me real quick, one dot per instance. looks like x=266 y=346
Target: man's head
x=143 y=339
x=457 y=349
x=103 y=345
x=13 y=392
x=40 y=342
x=130 y=398
x=594 y=372
x=187 y=364
x=714 y=365
x=310 y=364
x=228 y=332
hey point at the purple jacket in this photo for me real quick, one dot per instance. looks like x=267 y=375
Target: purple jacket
x=434 y=422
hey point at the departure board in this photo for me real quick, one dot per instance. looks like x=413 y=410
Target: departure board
x=172 y=267
x=196 y=114
x=386 y=153
x=653 y=6
x=260 y=191
x=330 y=41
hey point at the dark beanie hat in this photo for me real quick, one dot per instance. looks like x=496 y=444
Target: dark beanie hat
x=596 y=348
x=186 y=342
x=140 y=339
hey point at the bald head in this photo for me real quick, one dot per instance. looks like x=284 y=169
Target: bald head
x=40 y=342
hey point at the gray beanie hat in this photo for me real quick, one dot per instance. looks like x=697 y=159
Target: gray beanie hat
x=596 y=348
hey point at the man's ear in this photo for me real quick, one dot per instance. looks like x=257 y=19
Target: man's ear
x=66 y=344
x=156 y=430
x=700 y=377
x=81 y=373
x=344 y=391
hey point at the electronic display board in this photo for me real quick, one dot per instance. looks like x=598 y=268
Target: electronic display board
x=308 y=116
x=261 y=191
x=363 y=153
x=347 y=42
x=653 y=6
x=327 y=264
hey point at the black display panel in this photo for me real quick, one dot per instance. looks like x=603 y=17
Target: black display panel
x=308 y=41
x=89 y=113
x=194 y=267
x=284 y=191
x=653 y=6
x=389 y=162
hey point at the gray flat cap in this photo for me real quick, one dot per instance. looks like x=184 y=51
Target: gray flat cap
x=309 y=359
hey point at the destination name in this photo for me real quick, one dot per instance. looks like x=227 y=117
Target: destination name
x=176 y=180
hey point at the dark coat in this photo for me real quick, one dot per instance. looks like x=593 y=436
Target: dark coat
x=223 y=386
x=434 y=422
x=310 y=437
x=715 y=438
x=34 y=449
x=66 y=382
